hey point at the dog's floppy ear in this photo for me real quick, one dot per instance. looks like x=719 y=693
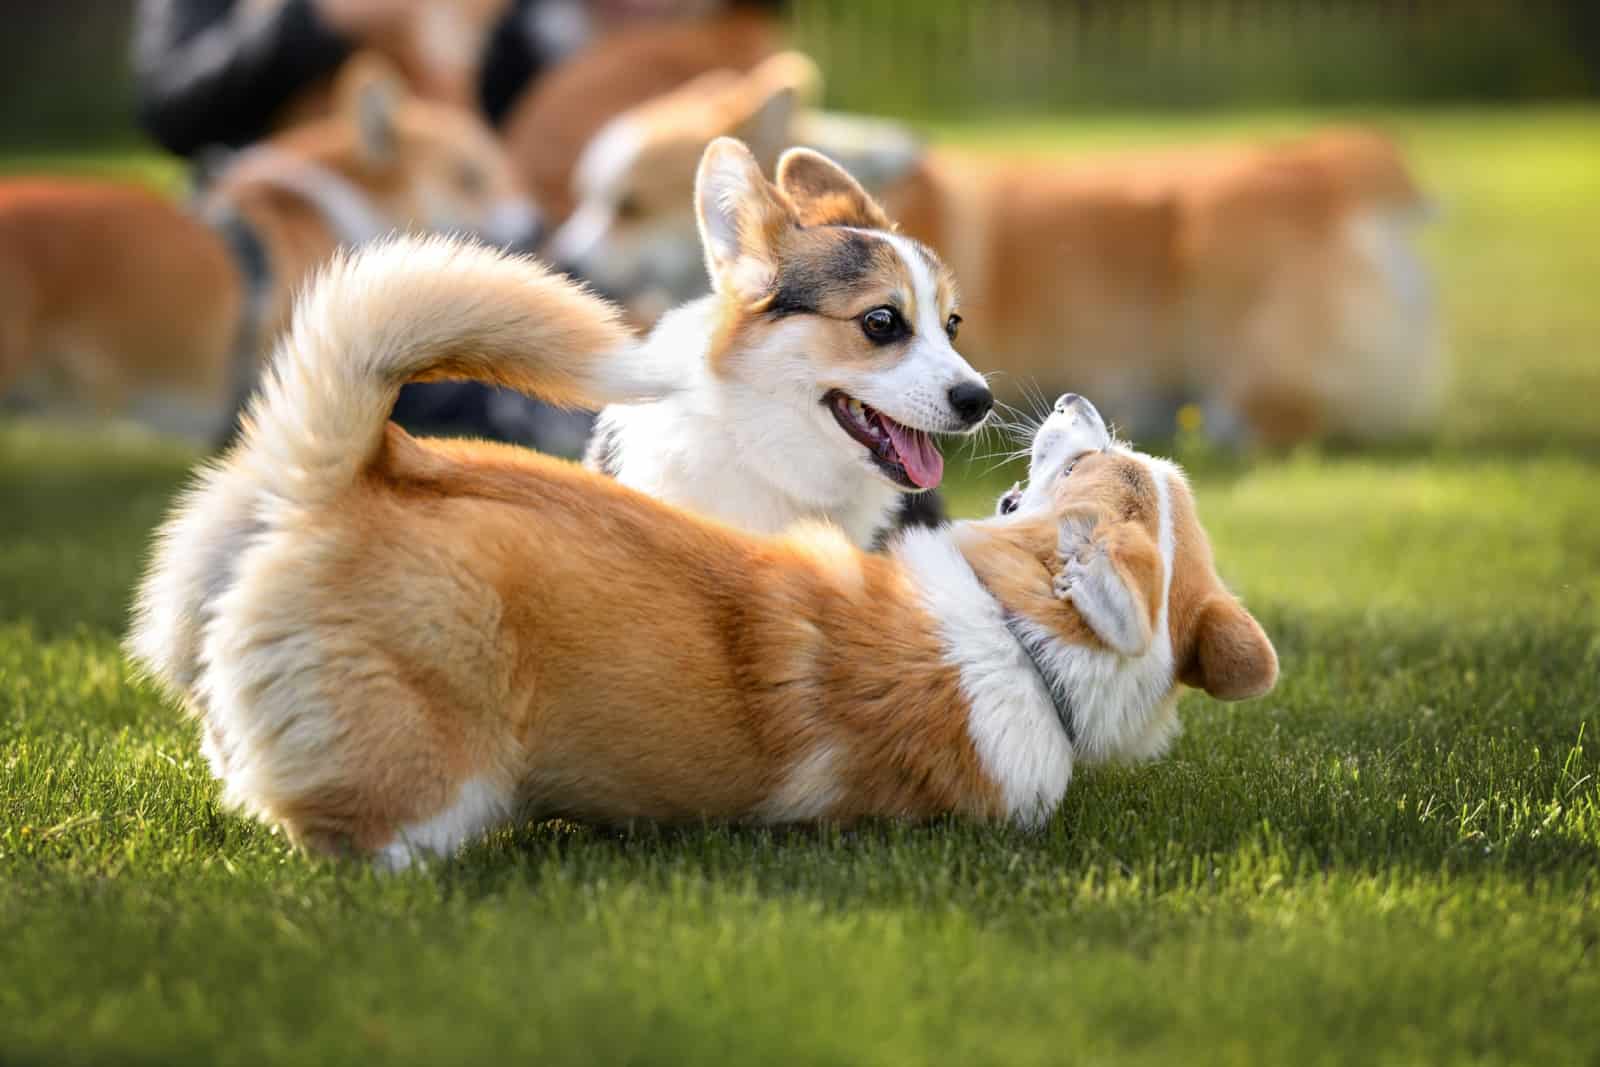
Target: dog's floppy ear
x=824 y=193
x=742 y=220
x=1232 y=657
x=1112 y=574
x=369 y=92
x=769 y=98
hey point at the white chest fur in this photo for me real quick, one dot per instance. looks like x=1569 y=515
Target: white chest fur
x=753 y=459
x=1011 y=719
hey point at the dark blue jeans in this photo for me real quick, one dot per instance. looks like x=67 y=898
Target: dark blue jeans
x=470 y=409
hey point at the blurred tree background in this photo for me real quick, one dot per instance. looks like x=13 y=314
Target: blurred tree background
x=64 y=70
x=962 y=58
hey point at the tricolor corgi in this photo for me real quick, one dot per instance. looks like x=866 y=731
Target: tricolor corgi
x=396 y=644
x=1278 y=285
x=815 y=375
x=119 y=301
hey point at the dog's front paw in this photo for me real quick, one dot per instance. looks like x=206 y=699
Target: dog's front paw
x=1062 y=586
x=1073 y=571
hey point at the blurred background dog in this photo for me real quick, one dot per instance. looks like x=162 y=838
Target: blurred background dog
x=120 y=301
x=1270 y=289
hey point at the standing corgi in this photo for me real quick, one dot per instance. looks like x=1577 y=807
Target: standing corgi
x=116 y=300
x=816 y=374
x=396 y=644
x=1279 y=284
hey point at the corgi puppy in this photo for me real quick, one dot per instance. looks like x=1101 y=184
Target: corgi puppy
x=815 y=375
x=396 y=644
x=116 y=300
x=1278 y=285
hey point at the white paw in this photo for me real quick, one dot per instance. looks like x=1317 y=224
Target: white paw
x=1073 y=573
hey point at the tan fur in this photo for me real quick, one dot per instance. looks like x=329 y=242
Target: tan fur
x=822 y=200
x=550 y=126
x=1231 y=274
x=113 y=293
x=1218 y=646
x=373 y=627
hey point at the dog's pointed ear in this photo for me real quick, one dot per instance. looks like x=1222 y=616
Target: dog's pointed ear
x=769 y=100
x=824 y=193
x=369 y=91
x=1232 y=658
x=742 y=220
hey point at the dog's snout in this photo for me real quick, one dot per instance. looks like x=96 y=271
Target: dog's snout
x=1067 y=400
x=971 y=401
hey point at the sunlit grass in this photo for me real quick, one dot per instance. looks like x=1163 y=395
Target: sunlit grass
x=1391 y=859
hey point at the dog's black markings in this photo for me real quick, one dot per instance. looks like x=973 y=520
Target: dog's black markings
x=254 y=265
x=838 y=266
x=916 y=511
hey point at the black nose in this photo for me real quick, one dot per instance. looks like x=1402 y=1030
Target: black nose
x=1066 y=400
x=971 y=401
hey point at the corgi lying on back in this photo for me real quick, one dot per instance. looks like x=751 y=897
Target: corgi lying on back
x=823 y=360
x=394 y=644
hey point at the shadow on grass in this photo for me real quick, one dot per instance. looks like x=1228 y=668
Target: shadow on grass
x=1466 y=756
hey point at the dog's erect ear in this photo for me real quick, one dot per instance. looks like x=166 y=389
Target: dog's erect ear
x=824 y=193
x=769 y=99
x=370 y=91
x=1232 y=657
x=742 y=220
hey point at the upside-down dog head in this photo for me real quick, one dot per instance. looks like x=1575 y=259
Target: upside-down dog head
x=1103 y=554
x=831 y=321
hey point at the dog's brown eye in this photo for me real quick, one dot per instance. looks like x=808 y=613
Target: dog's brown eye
x=882 y=325
x=952 y=326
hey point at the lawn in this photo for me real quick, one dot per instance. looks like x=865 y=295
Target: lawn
x=1394 y=858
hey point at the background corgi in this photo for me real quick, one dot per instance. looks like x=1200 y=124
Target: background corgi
x=551 y=124
x=116 y=300
x=575 y=648
x=1277 y=284
x=815 y=375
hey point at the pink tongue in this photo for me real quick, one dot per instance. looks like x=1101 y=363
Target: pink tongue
x=924 y=465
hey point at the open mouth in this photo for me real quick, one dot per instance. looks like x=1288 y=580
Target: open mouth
x=909 y=457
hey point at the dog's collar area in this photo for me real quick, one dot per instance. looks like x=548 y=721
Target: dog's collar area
x=1058 y=695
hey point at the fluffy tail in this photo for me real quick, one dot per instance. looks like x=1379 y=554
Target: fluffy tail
x=419 y=309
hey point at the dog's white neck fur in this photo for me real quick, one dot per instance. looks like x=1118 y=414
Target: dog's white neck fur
x=760 y=457
x=1010 y=718
x=1123 y=707
x=348 y=211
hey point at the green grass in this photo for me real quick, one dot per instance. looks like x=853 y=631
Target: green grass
x=1394 y=858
